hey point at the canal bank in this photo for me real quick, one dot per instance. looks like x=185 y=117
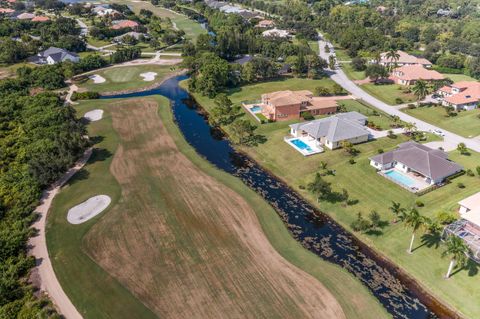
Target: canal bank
x=396 y=291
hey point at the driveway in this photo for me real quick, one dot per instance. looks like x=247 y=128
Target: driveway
x=340 y=77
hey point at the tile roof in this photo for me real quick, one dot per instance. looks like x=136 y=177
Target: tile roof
x=469 y=93
x=416 y=72
x=333 y=128
x=120 y=24
x=432 y=163
x=40 y=19
x=287 y=97
x=26 y=16
x=404 y=58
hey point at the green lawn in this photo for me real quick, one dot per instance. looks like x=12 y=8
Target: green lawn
x=458 y=77
x=376 y=193
x=97 y=42
x=342 y=54
x=351 y=73
x=125 y=78
x=98 y=295
x=388 y=93
x=314 y=46
x=466 y=123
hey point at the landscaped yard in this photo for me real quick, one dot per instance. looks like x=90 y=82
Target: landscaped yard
x=389 y=93
x=466 y=123
x=351 y=73
x=125 y=78
x=459 y=77
x=376 y=193
x=148 y=229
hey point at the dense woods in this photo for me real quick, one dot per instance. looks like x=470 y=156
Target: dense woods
x=39 y=139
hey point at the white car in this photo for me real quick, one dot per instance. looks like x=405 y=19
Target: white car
x=438 y=132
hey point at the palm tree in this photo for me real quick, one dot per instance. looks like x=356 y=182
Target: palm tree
x=392 y=55
x=457 y=249
x=420 y=89
x=397 y=210
x=415 y=221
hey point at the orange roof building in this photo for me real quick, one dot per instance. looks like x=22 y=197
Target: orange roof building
x=464 y=95
x=41 y=19
x=403 y=59
x=121 y=24
x=409 y=74
x=6 y=10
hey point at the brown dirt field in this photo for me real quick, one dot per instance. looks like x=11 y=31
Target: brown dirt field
x=186 y=245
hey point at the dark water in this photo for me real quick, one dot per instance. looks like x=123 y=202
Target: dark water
x=315 y=231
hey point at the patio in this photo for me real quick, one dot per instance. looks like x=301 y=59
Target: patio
x=254 y=108
x=304 y=144
x=411 y=181
x=469 y=233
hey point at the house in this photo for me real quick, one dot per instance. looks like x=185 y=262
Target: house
x=105 y=10
x=136 y=35
x=25 y=16
x=277 y=33
x=41 y=19
x=6 y=10
x=403 y=59
x=332 y=131
x=444 y=12
x=415 y=165
x=265 y=24
x=409 y=74
x=464 y=95
x=468 y=226
x=288 y=105
x=54 y=55
x=122 y=24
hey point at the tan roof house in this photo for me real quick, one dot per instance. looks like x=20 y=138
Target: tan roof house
x=277 y=33
x=409 y=74
x=26 y=16
x=287 y=105
x=121 y=24
x=464 y=95
x=265 y=24
x=403 y=59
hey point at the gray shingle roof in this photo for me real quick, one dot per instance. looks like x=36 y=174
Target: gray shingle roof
x=429 y=162
x=334 y=128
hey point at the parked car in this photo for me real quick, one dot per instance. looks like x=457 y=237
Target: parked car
x=438 y=132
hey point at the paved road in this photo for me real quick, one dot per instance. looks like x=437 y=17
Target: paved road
x=43 y=274
x=340 y=77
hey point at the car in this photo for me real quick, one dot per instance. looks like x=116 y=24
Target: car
x=438 y=132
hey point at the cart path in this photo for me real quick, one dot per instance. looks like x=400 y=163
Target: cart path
x=43 y=274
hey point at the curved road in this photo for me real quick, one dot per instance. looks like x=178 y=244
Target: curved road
x=451 y=140
x=43 y=274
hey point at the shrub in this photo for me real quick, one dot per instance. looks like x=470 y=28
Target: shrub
x=380 y=151
x=307 y=116
x=360 y=224
x=461 y=185
x=359 y=64
x=411 y=106
x=85 y=96
x=398 y=100
x=321 y=91
x=419 y=203
x=470 y=172
x=351 y=161
x=445 y=218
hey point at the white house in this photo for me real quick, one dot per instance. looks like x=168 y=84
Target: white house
x=54 y=55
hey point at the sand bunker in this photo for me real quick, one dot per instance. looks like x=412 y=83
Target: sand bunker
x=88 y=209
x=97 y=78
x=94 y=115
x=148 y=76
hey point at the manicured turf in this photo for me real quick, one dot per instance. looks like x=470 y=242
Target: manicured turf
x=376 y=193
x=466 y=123
x=458 y=77
x=388 y=93
x=125 y=78
x=351 y=73
x=98 y=295
x=97 y=42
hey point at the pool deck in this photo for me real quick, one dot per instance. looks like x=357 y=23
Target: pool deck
x=315 y=149
x=418 y=180
x=248 y=108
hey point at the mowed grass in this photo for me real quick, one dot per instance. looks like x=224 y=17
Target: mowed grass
x=351 y=73
x=98 y=295
x=377 y=193
x=389 y=93
x=458 y=77
x=126 y=78
x=465 y=123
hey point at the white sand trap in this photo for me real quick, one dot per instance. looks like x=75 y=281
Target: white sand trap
x=88 y=209
x=97 y=79
x=94 y=115
x=148 y=76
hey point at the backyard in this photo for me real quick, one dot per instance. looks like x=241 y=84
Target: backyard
x=389 y=93
x=125 y=78
x=146 y=225
x=375 y=192
x=465 y=123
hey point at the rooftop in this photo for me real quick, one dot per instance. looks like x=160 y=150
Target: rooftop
x=404 y=58
x=416 y=72
x=469 y=92
x=471 y=202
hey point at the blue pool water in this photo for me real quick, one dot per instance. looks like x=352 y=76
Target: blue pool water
x=256 y=109
x=405 y=180
x=301 y=145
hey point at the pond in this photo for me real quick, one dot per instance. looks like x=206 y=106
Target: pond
x=399 y=294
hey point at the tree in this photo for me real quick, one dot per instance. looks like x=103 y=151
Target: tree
x=462 y=148
x=242 y=130
x=331 y=62
x=322 y=91
x=224 y=112
x=398 y=211
x=415 y=222
x=359 y=64
x=319 y=187
x=420 y=89
x=458 y=251
x=374 y=217
x=393 y=56
x=410 y=128
x=376 y=72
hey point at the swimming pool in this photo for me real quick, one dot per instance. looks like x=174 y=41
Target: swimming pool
x=399 y=177
x=301 y=145
x=256 y=109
